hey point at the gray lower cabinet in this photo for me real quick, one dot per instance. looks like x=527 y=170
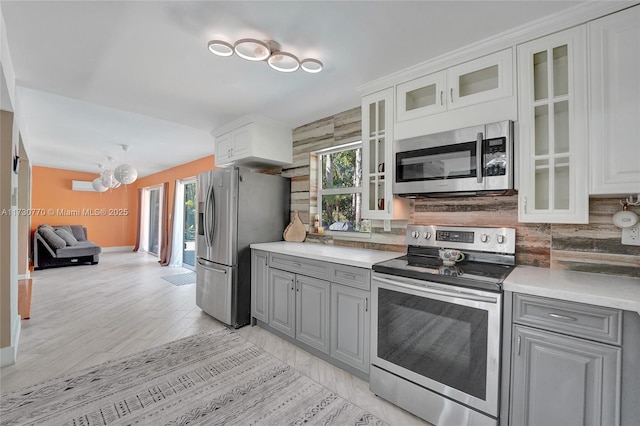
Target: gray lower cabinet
x=565 y=369
x=299 y=307
x=312 y=312
x=260 y=285
x=282 y=301
x=350 y=325
x=324 y=305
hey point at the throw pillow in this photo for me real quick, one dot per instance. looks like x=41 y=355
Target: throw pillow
x=51 y=237
x=69 y=239
x=78 y=232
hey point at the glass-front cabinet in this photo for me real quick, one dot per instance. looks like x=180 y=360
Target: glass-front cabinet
x=553 y=138
x=377 y=158
x=480 y=80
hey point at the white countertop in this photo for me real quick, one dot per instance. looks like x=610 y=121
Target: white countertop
x=343 y=255
x=595 y=289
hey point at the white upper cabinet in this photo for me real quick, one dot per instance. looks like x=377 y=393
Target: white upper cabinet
x=439 y=101
x=422 y=96
x=481 y=80
x=614 y=106
x=552 y=99
x=377 y=158
x=253 y=141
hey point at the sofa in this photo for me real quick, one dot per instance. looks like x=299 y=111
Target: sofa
x=63 y=245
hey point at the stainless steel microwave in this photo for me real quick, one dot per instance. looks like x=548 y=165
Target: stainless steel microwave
x=471 y=161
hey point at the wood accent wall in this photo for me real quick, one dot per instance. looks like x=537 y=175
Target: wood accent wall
x=594 y=247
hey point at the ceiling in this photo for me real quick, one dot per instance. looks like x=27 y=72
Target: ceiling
x=94 y=75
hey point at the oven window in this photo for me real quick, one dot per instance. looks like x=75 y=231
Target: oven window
x=439 y=340
x=443 y=162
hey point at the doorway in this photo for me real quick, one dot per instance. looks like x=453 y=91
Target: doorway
x=189 y=225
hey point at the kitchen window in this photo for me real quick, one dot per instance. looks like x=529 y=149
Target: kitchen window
x=339 y=180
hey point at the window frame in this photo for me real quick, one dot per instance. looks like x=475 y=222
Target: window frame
x=336 y=191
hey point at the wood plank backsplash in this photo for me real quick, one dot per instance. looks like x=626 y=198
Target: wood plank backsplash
x=594 y=247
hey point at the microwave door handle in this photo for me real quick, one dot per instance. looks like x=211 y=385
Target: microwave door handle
x=479 y=157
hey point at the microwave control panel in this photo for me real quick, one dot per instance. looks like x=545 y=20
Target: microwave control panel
x=495 y=157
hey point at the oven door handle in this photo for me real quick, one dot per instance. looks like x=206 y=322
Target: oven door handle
x=439 y=291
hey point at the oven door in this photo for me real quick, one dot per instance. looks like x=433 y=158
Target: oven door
x=441 y=337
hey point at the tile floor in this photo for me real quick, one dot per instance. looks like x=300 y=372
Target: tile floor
x=85 y=315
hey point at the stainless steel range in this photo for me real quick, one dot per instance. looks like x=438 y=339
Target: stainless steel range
x=436 y=331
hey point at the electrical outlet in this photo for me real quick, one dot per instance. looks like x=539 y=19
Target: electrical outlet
x=631 y=235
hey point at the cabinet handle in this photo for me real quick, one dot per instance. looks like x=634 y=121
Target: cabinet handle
x=451 y=94
x=479 y=158
x=292 y=284
x=562 y=317
x=519 y=344
x=297 y=264
x=524 y=201
x=366 y=304
x=441 y=97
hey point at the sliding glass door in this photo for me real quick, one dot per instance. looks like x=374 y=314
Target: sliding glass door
x=154 y=221
x=189 y=226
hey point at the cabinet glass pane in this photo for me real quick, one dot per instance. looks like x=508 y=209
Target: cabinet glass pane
x=380 y=166
x=542 y=130
x=540 y=75
x=420 y=98
x=479 y=81
x=560 y=71
x=561 y=184
x=542 y=185
x=373 y=143
x=372 y=119
x=381 y=112
x=373 y=195
x=561 y=127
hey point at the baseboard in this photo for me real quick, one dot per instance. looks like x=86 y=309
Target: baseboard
x=9 y=354
x=120 y=248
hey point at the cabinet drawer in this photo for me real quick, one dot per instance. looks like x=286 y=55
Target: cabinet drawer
x=576 y=319
x=351 y=276
x=300 y=265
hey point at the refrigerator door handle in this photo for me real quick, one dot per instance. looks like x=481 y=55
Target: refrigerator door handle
x=210 y=267
x=211 y=209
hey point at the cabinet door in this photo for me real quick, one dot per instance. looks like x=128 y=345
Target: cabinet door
x=242 y=140
x=312 y=312
x=614 y=107
x=350 y=323
x=553 y=138
x=422 y=96
x=481 y=80
x=377 y=158
x=260 y=285
x=282 y=301
x=224 y=144
x=559 y=380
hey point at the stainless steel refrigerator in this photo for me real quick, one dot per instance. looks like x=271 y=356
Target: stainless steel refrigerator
x=236 y=207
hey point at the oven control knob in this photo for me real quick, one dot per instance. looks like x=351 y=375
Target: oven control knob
x=501 y=239
x=427 y=235
x=484 y=238
x=415 y=234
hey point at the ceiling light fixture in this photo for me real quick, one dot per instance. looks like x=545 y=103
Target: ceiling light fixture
x=257 y=50
x=220 y=48
x=111 y=179
x=252 y=49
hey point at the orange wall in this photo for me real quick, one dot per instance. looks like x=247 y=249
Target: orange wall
x=183 y=171
x=55 y=203
x=114 y=225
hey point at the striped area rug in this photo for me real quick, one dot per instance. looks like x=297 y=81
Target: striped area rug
x=215 y=378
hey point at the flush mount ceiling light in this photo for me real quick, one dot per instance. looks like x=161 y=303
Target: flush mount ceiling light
x=257 y=50
x=252 y=49
x=220 y=48
x=283 y=62
x=311 y=65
